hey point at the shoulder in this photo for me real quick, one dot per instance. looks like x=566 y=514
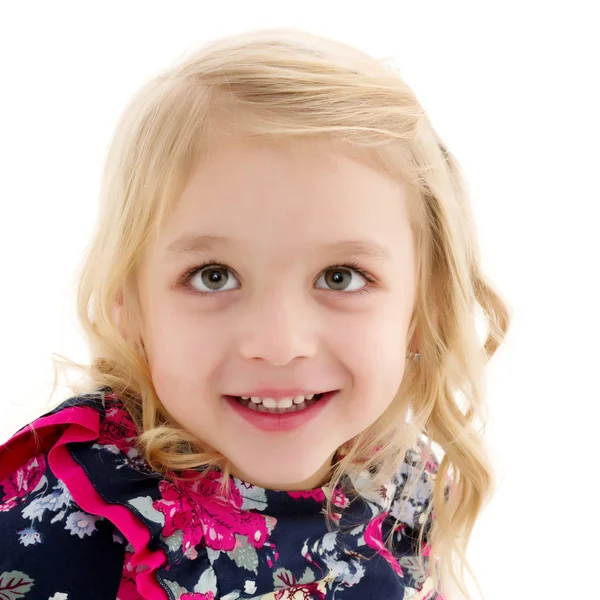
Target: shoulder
x=75 y=505
x=51 y=541
x=414 y=485
x=50 y=545
x=24 y=457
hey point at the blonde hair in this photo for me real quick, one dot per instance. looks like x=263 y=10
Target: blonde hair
x=287 y=86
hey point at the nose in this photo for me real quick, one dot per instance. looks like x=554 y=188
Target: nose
x=276 y=327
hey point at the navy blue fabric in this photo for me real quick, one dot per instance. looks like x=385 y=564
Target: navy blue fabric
x=50 y=546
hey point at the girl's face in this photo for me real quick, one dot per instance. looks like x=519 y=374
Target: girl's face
x=272 y=310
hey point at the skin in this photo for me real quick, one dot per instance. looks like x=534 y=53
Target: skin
x=277 y=316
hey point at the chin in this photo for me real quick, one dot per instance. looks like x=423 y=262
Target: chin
x=283 y=476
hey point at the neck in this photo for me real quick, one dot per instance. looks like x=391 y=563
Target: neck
x=318 y=479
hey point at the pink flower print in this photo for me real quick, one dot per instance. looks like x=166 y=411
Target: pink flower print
x=117 y=429
x=179 y=514
x=400 y=527
x=24 y=480
x=334 y=516
x=427 y=456
x=373 y=539
x=317 y=494
x=197 y=596
x=210 y=486
x=195 y=508
x=301 y=591
x=431 y=466
x=339 y=498
x=127 y=587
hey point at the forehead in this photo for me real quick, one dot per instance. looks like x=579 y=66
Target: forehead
x=292 y=198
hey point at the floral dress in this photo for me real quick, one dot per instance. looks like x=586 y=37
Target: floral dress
x=83 y=516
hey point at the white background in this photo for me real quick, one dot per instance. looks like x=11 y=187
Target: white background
x=512 y=88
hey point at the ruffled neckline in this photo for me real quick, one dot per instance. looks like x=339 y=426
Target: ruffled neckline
x=173 y=528
x=118 y=433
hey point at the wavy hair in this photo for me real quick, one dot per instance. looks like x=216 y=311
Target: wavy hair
x=286 y=86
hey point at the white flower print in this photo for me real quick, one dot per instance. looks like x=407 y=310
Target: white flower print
x=118 y=538
x=55 y=501
x=63 y=493
x=249 y=586
x=81 y=524
x=52 y=502
x=329 y=540
x=347 y=572
x=29 y=536
x=35 y=510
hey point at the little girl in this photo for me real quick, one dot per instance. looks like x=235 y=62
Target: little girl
x=270 y=438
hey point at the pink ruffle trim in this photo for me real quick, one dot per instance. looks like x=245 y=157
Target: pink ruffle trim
x=52 y=434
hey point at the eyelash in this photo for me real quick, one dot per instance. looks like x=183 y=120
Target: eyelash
x=352 y=266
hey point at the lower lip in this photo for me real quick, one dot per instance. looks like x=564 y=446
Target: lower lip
x=281 y=422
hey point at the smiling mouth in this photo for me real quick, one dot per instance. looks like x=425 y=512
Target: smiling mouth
x=259 y=407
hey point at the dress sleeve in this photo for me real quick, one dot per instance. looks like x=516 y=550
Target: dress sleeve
x=67 y=535
x=50 y=548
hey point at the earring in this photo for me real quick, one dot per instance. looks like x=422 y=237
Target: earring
x=415 y=356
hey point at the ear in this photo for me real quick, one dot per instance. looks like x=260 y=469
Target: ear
x=415 y=342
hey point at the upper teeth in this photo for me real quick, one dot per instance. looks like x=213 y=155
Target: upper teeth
x=282 y=403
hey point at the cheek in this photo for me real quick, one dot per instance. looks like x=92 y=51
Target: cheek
x=373 y=344
x=376 y=355
x=182 y=352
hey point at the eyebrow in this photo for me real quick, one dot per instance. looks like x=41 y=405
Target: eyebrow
x=196 y=244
